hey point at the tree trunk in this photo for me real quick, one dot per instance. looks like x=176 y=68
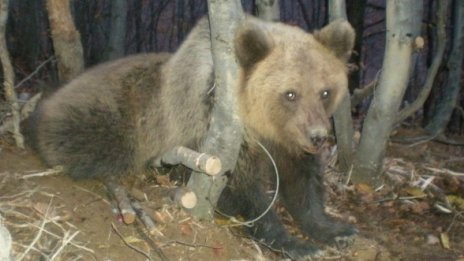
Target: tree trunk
x=342 y=116
x=66 y=40
x=447 y=103
x=437 y=60
x=9 y=76
x=403 y=25
x=268 y=10
x=117 y=29
x=355 y=10
x=337 y=10
x=225 y=133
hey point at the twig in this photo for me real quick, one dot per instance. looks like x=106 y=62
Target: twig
x=39 y=234
x=148 y=240
x=146 y=219
x=445 y=171
x=66 y=241
x=26 y=193
x=49 y=172
x=72 y=243
x=136 y=249
x=93 y=193
x=35 y=71
x=195 y=245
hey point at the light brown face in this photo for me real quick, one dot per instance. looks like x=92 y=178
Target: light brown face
x=292 y=81
x=291 y=97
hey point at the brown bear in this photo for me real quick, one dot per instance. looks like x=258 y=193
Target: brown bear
x=114 y=118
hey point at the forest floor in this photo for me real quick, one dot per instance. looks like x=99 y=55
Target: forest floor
x=418 y=215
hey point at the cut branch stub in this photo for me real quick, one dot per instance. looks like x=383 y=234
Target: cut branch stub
x=184 y=197
x=120 y=195
x=191 y=159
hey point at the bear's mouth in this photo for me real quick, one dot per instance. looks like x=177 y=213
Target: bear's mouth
x=311 y=149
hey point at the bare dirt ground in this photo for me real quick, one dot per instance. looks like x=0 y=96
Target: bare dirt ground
x=417 y=216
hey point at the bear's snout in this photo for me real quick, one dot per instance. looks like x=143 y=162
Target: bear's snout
x=318 y=136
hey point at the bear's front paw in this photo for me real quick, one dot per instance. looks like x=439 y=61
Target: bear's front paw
x=343 y=242
x=331 y=232
x=297 y=249
x=342 y=235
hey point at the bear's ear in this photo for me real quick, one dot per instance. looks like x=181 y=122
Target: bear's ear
x=339 y=37
x=252 y=43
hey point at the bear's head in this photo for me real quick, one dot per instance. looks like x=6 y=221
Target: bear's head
x=292 y=81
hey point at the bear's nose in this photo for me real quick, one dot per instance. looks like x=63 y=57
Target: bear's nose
x=318 y=137
x=318 y=140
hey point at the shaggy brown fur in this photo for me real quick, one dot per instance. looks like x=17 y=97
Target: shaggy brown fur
x=114 y=118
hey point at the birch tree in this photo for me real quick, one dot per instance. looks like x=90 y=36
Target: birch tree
x=225 y=133
x=442 y=12
x=403 y=26
x=9 y=77
x=342 y=117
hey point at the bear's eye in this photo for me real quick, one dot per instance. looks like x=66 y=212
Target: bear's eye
x=290 y=95
x=325 y=94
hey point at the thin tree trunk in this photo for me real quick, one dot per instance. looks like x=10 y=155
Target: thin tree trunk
x=436 y=62
x=337 y=10
x=447 y=103
x=403 y=25
x=225 y=133
x=9 y=76
x=355 y=10
x=66 y=40
x=118 y=29
x=342 y=117
x=268 y=10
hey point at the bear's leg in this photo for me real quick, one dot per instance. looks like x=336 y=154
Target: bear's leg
x=303 y=192
x=251 y=201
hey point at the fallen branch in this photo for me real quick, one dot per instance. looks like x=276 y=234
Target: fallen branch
x=49 y=172
x=136 y=249
x=200 y=162
x=146 y=219
x=445 y=171
x=119 y=193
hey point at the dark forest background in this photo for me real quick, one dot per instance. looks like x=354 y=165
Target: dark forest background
x=161 y=25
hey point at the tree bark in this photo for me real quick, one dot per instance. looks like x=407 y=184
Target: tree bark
x=342 y=117
x=447 y=103
x=225 y=133
x=268 y=10
x=403 y=25
x=436 y=62
x=355 y=10
x=117 y=29
x=9 y=76
x=66 y=40
x=337 y=10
